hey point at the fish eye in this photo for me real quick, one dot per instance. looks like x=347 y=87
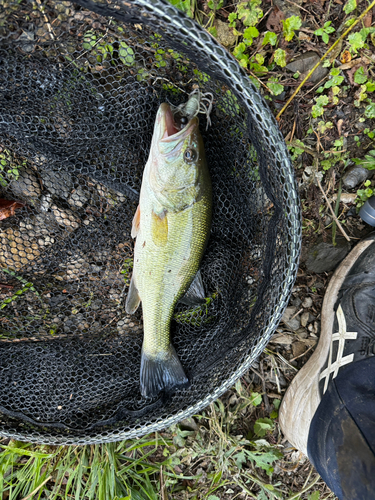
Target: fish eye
x=190 y=155
x=183 y=120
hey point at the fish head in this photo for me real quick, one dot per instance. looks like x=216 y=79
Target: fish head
x=177 y=160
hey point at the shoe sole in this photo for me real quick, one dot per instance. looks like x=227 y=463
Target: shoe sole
x=303 y=397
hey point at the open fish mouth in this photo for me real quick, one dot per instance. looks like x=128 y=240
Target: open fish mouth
x=171 y=130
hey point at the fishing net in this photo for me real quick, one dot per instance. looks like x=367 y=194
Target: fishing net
x=80 y=85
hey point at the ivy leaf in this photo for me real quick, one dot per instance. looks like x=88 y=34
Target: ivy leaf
x=317 y=109
x=289 y=25
x=280 y=57
x=356 y=41
x=249 y=12
x=360 y=76
x=370 y=110
x=350 y=6
x=275 y=87
x=249 y=34
x=232 y=19
x=270 y=37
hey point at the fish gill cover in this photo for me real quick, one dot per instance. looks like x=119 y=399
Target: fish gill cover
x=80 y=85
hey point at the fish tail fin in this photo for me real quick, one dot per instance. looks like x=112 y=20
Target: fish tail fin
x=161 y=373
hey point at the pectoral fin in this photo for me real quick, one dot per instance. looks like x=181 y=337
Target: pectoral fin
x=195 y=294
x=159 y=228
x=136 y=222
x=133 y=299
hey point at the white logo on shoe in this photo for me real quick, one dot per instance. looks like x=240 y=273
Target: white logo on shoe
x=341 y=360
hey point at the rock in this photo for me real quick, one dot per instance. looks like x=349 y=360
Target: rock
x=188 y=424
x=304 y=63
x=296 y=301
x=307 y=302
x=324 y=257
x=65 y=218
x=355 y=175
x=224 y=33
x=292 y=323
x=58 y=183
x=27 y=184
x=298 y=348
x=346 y=198
x=305 y=318
x=78 y=198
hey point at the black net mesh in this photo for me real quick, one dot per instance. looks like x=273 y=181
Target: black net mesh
x=80 y=84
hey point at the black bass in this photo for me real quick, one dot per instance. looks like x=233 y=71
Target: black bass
x=171 y=226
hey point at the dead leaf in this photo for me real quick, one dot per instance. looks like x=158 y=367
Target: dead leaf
x=367 y=21
x=274 y=20
x=351 y=72
x=350 y=64
x=346 y=57
x=340 y=123
x=335 y=52
x=8 y=208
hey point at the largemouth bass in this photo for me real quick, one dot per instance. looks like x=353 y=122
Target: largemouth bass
x=171 y=226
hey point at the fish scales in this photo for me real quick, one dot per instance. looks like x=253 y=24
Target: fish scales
x=171 y=226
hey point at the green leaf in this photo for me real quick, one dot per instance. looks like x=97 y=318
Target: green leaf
x=262 y=426
x=275 y=87
x=350 y=6
x=270 y=37
x=370 y=86
x=360 y=76
x=280 y=57
x=317 y=109
x=249 y=12
x=289 y=25
x=232 y=19
x=213 y=31
x=370 y=110
x=213 y=497
x=314 y=496
x=256 y=398
x=265 y=459
x=249 y=34
x=319 y=32
x=240 y=459
x=356 y=41
x=325 y=38
x=276 y=403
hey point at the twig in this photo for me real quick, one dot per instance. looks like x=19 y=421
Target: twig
x=300 y=356
x=332 y=212
x=322 y=59
x=30 y=495
x=297 y=495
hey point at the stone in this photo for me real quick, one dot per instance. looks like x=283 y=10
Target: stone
x=27 y=184
x=355 y=175
x=307 y=302
x=58 y=183
x=324 y=256
x=305 y=318
x=298 y=348
x=78 y=198
x=224 y=33
x=188 y=424
x=289 y=320
x=304 y=63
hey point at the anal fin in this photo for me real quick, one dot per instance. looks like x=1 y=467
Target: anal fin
x=195 y=294
x=133 y=299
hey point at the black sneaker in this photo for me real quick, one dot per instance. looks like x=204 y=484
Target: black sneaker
x=347 y=335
